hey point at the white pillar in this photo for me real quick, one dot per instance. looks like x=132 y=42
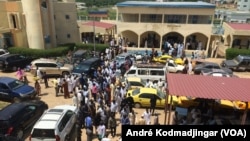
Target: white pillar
x=31 y=10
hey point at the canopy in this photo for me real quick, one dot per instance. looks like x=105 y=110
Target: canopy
x=209 y=87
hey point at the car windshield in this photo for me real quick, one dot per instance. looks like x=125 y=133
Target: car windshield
x=42 y=133
x=118 y=58
x=161 y=94
x=60 y=64
x=238 y=59
x=82 y=67
x=135 y=91
x=15 y=84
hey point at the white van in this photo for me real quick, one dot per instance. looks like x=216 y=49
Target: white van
x=153 y=72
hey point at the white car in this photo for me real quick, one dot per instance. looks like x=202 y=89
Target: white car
x=3 y=52
x=55 y=124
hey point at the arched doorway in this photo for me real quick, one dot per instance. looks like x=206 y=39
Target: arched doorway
x=196 y=41
x=172 y=37
x=129 y=38
x=150 y=39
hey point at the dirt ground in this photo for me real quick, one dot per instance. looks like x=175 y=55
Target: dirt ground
x=48 y=95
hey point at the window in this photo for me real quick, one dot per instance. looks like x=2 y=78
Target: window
x=67 y=17
x=148 y=96
x=156 y=72
x=131 y=72
x=68 y=35
x=142 y=72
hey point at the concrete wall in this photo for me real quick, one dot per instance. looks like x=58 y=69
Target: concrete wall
x=65 y=27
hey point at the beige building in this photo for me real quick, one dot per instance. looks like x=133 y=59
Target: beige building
x=38 y=24
x=151 y=24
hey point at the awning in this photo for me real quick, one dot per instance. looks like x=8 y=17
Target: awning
x=99 y=24
x=209 y=87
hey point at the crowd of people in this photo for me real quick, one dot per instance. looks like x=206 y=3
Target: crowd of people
x=101 y=98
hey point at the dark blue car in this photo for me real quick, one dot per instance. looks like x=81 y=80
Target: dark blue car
x=13 y=90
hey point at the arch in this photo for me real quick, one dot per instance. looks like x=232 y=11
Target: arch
x=196 y=41
x=173 y=37
x=150 y=39
x=130 y=38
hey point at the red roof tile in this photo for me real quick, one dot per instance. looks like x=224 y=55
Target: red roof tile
x=240 y=26
x=210 y=87
x=99 y=24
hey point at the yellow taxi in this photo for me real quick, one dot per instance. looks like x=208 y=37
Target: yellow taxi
x=240 y=105
x=186 y=102
x=142 y=97
x=163 y=59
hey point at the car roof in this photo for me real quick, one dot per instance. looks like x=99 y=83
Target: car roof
x=50 y=118
x=90 y=60
x=124 y=54
x=13 y=109
x=44 y=60
x=6 y=80
x=143 y=90
x=9 y=55
x=80 y=52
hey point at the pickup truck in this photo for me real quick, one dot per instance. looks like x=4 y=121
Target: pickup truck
x=240 y=62
x=172 y=67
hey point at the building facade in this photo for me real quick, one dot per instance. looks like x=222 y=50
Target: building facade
x=38 y=24
x=151 y=24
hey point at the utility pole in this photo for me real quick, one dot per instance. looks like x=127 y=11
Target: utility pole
x=94 y=35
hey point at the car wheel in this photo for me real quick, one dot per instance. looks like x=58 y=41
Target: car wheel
x=19 y=134
x=137 y=105
x=16 y=99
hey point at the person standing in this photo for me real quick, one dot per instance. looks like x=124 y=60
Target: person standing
x=37 y=87
x=147 y=116
x=56 y=86
x=45 y=79
x=39 y=74
x=153 y=100
x=112 y=124
x=89 y=127
x=19 y=74
x=101 y=131
x=65 y=89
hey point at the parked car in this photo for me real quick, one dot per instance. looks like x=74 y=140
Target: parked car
x=121 y=59
x=241 y=62
x=142 y=97
x=55 y=124
x=164 y=58
x=216 y=72
x=17 y=119
x=87 y=67
x=14 y=61
x=80 y=55
x=3 y=52
x=12 y=89
x=135 y=82
x=187 y=102
x=208 y=66
x=51 y=67
x=240 y=105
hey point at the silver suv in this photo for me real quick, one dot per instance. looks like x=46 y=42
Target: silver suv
x=55 y=124
x=52 y=67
